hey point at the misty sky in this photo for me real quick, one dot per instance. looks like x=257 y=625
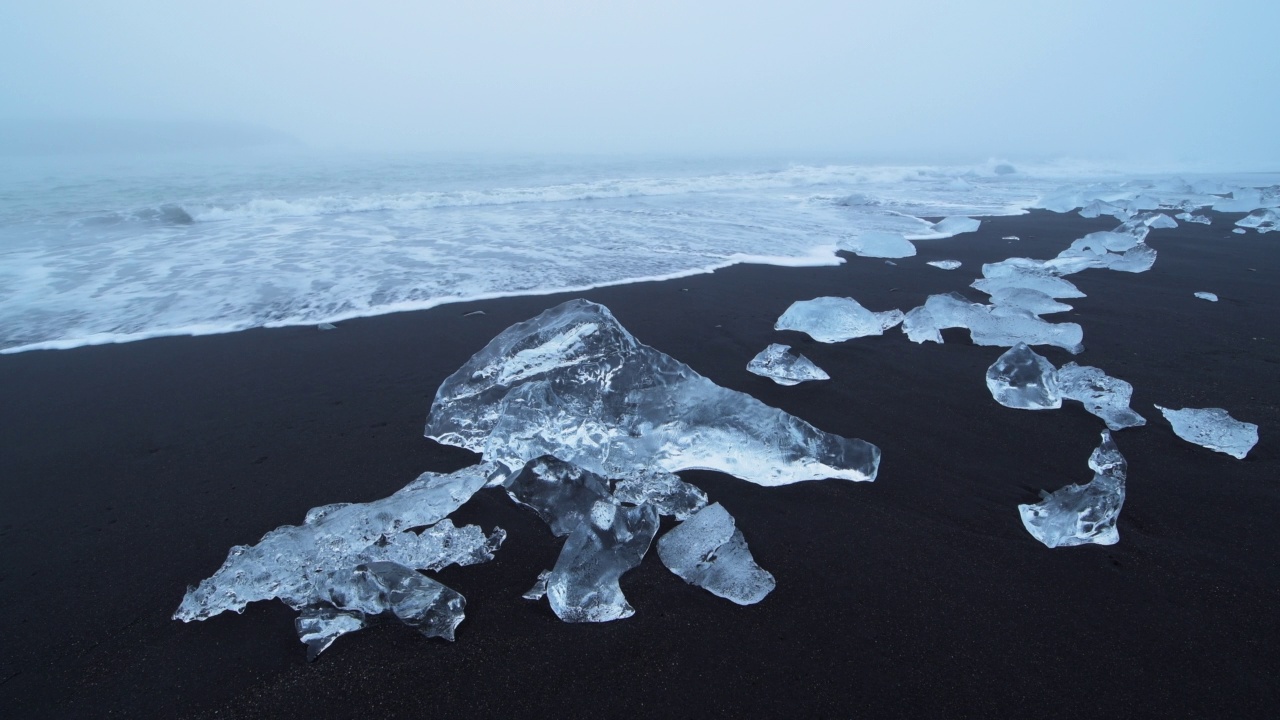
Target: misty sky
x=1165 y=81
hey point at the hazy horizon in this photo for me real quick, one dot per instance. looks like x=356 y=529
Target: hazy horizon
x=1150 y=82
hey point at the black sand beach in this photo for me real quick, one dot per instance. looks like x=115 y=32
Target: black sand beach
x=130 y=470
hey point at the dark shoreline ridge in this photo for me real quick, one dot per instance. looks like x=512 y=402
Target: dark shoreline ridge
x=132 y=469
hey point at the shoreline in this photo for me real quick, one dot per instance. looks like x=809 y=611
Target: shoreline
x=133 y=469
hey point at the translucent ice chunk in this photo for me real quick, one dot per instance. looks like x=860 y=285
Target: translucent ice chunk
x=1103 y=395
x=1160 y=221
x=952 y=226
x=781 y=365
x=583 y=585
x=663 y=490
x=561 y=493
x=1213 y=428
x=833 y=319
x=879 y=244
x=1081 y=514
x=1032 y=301
x=316 y=564
x=945 y=264
x=1024 y=380
x=1207 y=296
x=1188 y=217
x=1101 y=207
x=1039 y=280
x=709 y=551
x=573 y=383
x=318 y=627
x=1241 y=200
x=988 y=324
x=1263 y=220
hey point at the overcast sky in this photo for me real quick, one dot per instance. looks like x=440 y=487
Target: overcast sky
x=1162 y=80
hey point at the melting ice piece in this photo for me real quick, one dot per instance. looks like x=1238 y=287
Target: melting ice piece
x=326 y=326
x=1081 y=514
x=583 y=585
x=663 y=490
x=952 y=226
x=1010 y=237
x=833 y=319
x=1100 y=252
x=1239 y=231
x=1032 y=276
x=1188 y=217
x=988 y=324
x=879 y=244
x=709 y=551
x=945 y=264
x=573 y=383
x=319 y=564
x=1207 y=296
x=1264 y=220
x=1032 y=301
x=1102 y=207
x=1160 y=221
x=1213 y=428
x=1103 y=395
x=1023 y=380
x=781 y=365
x=561 y=493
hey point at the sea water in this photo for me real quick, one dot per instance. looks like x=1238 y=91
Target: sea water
x=105 y=249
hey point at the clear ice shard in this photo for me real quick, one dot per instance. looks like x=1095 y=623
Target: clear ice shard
x=575 y=384
x=785 y=367
x=561 y=493
x=1207 y=296
x=353 y=559
x=1102 y=395
x=663 y=490
x=1213 y=428
x=945 y=264
x=996 y=325
x=1023 y=380
x=834 y=319
x=1033 y=301
x=1082 y=514
x=952 y=226
x=583 y=585
x=1188 y=217
x=709 y=551
x=1263 y=221
x=879 y=244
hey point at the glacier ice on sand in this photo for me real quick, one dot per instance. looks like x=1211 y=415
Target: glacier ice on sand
x=836 y=319
x=1211 y=297
x=1024 y=380
x=945 y=264
x=709 y=551
x=879 y=244
x=1213 y=428
x=1082 y=514
x=1102 y=395
x=988 y=324
x=784 y=366
x=573 y=383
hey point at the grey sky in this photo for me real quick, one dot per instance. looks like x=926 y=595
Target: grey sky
x=1164 y=81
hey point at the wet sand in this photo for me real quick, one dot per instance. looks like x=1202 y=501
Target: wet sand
x=130 y=470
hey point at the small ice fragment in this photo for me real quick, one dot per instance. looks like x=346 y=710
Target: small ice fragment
x=1102 y=395
x=1160 y=221
x=1010 y=237
x=879 y=244
x=661 y=489
x=473 y=313
x=1080 y=514
x=583 y=585
x=561 y=493
x=1207 y=296
x=318 y=627
x=1239 y=231
x=890 y=262
x=326 y=326
x=539 y=589
x=996 y=325
x=833 y=319
x=945 y=264
x=952 y=226
x=785 y=367
x=709 y=551
x=1213 y=428
x=1023 y=380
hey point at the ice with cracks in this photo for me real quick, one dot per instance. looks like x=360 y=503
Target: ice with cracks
x=709 y=551
x=1082 y=514
x=1213 y=428
x=784 y=366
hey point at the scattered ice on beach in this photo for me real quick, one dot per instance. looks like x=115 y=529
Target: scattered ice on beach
x=945 y=264
x=833 y=319
x=709 y=551
x=1263 y=221
x=583 y=585
x=952 y=226
x=1213 y=428
x=1102 y=395
x=879 y=244
x=1023 y=380
x=988 y=324
x=782 y=365
x=358 y=560
x=1207 y=296
x=1188 y=217
x=1081 y=514
x=575 y=384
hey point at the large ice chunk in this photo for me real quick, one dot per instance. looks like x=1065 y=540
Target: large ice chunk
x=996 y=325
x=1103 y=395
x=1024 y=380
x=1213 y=428
x=1081 y=514
x=834 y=319
x=574 y=384
x=1033 y=301
x=583 y=585
x=1263 y=221
x=344 y=558
x=952 y=226
x=709 y=551
x=785 y=367
x=879 y=244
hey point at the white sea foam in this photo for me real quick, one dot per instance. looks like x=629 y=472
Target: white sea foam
x=123 y=256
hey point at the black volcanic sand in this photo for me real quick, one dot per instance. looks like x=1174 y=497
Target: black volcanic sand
x=130 y=470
